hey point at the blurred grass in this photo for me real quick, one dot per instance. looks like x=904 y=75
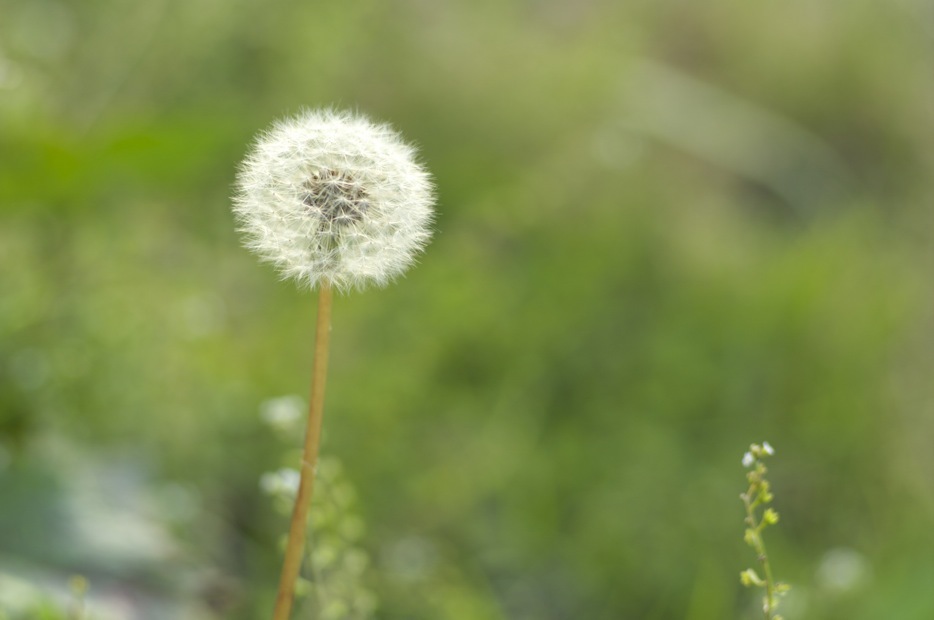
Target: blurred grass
x=665 y=230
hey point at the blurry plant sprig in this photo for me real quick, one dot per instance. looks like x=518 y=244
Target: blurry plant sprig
x=79 y=586
x=336 y=562
x=23 y=600
x=758 y=497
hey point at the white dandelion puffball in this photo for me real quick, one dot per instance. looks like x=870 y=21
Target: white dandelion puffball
x=332 y=198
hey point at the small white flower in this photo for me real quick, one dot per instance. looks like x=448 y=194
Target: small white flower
x=330 y=197
x=282 y=482
x=283 y=412
x=748 y=459
x=767 y=448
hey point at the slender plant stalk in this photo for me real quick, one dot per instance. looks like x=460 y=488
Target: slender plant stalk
x=759 y=495
x=296 y=543
x=763 y=556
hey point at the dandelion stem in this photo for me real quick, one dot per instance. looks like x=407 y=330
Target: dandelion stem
x=296 y=543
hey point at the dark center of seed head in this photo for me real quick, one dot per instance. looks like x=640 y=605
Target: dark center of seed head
x=336 y=196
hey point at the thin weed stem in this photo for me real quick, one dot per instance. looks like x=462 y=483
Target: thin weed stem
x=757 y=496
x=759 y=545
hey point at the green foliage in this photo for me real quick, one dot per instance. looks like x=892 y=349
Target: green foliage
x=22 y=600
x=664 y=227
x=335 y=564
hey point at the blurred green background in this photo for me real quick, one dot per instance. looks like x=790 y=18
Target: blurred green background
x=666 y=230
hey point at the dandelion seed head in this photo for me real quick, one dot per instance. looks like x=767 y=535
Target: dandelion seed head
x=331 y=197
